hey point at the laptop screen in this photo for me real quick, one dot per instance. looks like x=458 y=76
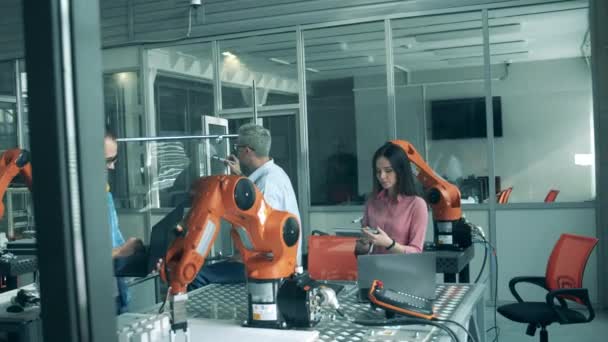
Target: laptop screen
x=407 y=273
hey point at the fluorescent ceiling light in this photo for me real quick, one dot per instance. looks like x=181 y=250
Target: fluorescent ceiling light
x=312 y=69
x=399 y=67
x=228 y=54
x=479 y=59
x=280 y=61
x=467 y=33
x=477 y=49
x=583 y=159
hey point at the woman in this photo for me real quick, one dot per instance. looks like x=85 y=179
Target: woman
x=395 y=218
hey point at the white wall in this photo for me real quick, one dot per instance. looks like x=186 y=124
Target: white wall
x=120 y=58
x=546 y=111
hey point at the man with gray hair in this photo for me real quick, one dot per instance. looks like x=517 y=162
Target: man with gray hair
x=252 y=158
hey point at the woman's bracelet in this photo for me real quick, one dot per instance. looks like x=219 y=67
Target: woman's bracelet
x=392 y=245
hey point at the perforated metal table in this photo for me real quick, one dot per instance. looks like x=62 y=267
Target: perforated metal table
x=459 y=302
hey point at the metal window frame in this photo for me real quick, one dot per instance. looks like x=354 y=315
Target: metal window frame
x=390 y=80
x=19 y=101
x=303 y=147
x=491 y=158
x=64 y=85
x=599 y=56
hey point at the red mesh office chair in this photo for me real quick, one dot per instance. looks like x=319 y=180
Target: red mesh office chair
x=564 y=282
x=503 y=196
x=332 y=257
x=551 y=196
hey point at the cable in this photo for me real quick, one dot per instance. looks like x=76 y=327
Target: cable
x=493 y=252
x=162 y=306
x=495 y=327
x=495 y=294
x=458 y=324
x=408 y=321
x=483 y=263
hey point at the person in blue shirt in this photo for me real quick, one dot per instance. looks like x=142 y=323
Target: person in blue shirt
x=120 y=247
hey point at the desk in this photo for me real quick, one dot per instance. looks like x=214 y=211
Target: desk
x=462 y=303
x=24 y=326
x=15 y=267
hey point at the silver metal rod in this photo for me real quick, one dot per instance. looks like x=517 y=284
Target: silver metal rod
x=182 y=137
x=255 y=104
x=390 y=80
x=217 y=78
x=10 y=219
x=19 y=103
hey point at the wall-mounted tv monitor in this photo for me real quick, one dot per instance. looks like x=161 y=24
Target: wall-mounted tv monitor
x=463 y=118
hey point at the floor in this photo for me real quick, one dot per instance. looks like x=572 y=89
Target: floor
x=595 y=331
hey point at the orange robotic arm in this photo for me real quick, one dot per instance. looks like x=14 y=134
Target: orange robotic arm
x=443 y=196
x=451 y=230
x=266 y=238
x=13 y=162
x=265 y=231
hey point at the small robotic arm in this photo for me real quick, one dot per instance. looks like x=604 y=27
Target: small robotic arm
x=266 y=238
x=443 y=196
x=13 y=162
x=450 y=228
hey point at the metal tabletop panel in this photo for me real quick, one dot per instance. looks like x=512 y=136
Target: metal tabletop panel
x=18 y=265
x=229 y=302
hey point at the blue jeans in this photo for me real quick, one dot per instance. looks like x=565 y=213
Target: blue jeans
x=226 y=272
x=122 y=300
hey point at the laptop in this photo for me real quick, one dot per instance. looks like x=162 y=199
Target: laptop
x=163 y=234
x=408 y=273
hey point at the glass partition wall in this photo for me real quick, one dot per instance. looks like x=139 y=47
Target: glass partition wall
x=269 y=61
x=440 y=96
x=332 y=94
x=347 y=109
x=440 y=93
x=545 y=152
x=18 y=221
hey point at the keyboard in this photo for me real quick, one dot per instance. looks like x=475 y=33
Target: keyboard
x=399 y=302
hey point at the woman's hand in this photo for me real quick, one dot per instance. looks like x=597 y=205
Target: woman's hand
x=378 y=238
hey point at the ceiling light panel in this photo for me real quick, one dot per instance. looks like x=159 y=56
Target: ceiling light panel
x=468 y=33
x=496 y=58
x=478 y=49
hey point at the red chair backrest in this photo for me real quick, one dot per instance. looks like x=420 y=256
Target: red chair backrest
x=567 y=262
x=551 y=196
x=503 y=196
x=332 y=257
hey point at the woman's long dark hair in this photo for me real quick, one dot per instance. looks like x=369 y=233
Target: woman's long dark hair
x=401 y=166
